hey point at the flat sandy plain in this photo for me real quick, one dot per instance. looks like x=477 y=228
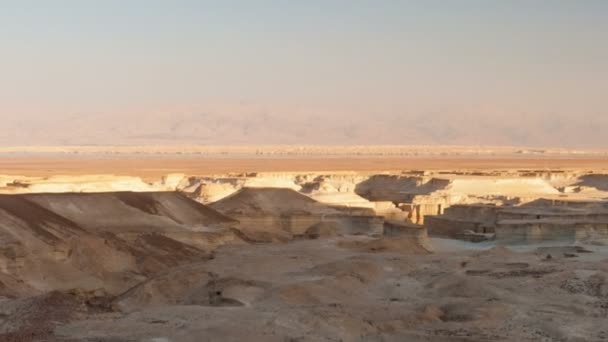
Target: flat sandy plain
x=152 y=162
x=152 y=167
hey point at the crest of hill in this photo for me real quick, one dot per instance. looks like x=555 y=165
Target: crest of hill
x=270 y=201
x=101 y=240
x=128 y=209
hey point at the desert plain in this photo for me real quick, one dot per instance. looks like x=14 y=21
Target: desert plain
x=303 y=244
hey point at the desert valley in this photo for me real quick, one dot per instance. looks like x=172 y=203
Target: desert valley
x=303 y=171
x=408 y=247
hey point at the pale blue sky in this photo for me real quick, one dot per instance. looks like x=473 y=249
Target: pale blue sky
x=500 y=61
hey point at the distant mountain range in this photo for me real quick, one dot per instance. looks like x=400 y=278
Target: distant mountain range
x=260 y=127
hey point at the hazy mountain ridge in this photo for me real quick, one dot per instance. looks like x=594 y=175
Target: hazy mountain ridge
x=260 y=127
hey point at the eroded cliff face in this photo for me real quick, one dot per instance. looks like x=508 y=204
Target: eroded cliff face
x=89 y=183
x=410 y=195
x=456 y=204
x=450 y=203
x=540 y=220
x=309 y=248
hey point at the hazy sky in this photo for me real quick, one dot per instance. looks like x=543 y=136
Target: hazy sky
x=478 y=72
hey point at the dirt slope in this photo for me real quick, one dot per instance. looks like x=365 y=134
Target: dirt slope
x=107 y=241
x=270 y=201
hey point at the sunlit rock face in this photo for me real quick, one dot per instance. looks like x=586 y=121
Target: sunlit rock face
x=411 y=195
x=451 y=204
x=88 y=183
x=92 y=183
x=432 y=198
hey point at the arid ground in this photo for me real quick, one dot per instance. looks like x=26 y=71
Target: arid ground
x=310 y=247
x=153 y=167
